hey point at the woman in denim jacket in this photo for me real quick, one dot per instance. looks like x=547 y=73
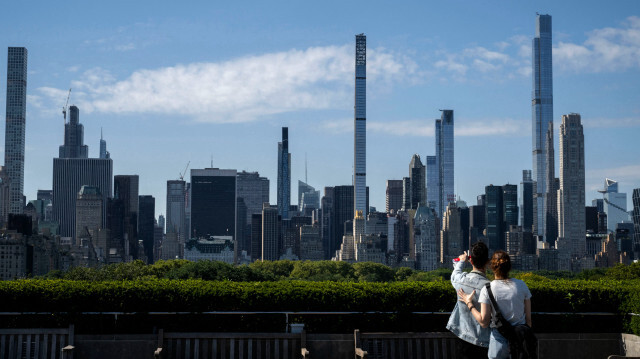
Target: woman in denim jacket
x=473 y=339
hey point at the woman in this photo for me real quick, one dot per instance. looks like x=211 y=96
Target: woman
x=513 y=298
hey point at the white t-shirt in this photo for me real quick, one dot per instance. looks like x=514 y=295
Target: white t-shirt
x=510 y=295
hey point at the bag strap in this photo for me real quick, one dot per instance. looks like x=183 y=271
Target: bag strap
x=493 y=300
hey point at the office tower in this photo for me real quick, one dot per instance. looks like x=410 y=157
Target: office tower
x=425 y=228
x=636 y=223
x=591 y=219
x=69 y=175
x=44 y=194
x=256 y=236
x=158 y=234
x=433 y=193
x=444 y=161
x=343 y=211
x=393 y=196
x=290 y=234
x=308 y=199
x=542 y=113
x=571 y=217
x=125 y=190
x=465 y=222
x=494 y=217
x=417 y=182
x=624 y=238
x=510 y=206
x=284 y=175
x=176 y=204
x=360 y=196
x=271 y=225
x=89 y=207
x=521 y=246
x=311 y=243
x=14 y=137
x=406 y=193
x=614 y=204
x=451 y=236
x=103 y=147
x=146 y=225
x=526 y=201
x=213 y=202
x=327 y=223
x=252 y=193
x=161 y=222
x=74 y=146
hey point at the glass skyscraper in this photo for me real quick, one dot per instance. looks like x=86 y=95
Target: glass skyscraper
x=284 y=175
x=432 y=182
x=542 y=114
x=14 y=138
x=444 y=161
x=360 y=124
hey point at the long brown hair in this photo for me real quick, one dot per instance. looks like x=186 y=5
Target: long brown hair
x=501 y=264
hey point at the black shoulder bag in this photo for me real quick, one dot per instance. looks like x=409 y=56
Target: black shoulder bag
x=522 y=342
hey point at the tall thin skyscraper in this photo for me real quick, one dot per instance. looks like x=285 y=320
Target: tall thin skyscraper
x=284 y=175
x=14 y=138
x=542 y=114
x=551 y=197
x=360 y=126
x=526 y=201
x=444 y=161
x=146 y=225
x=571 y=217
x=432 y=182
x=635 y=197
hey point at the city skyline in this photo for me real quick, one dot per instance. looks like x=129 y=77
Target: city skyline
x=157 y=143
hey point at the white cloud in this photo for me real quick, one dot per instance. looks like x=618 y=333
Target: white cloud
x=238 y=90
x=605 y=50
x=611 y=122
x=425 y=127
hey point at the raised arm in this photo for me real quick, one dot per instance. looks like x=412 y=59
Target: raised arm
x=484 y=315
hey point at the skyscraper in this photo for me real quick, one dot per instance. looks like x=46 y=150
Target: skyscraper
x=103 y=147
x=308 y=198
x=124 y=222
x=71 y=173
x=146 y=225
x=494 y=217
x=526 y=201
x=252 y=193
x=176 y=203
x=393 y=196
x=614 y=204
x=418 y=182
x=14 y=138
x=213 y=202
x=571 y=217
x=89 y=207
x=271 y=226
x=284 y=175
x=433 y=193
x=542 y=113
x=74 y=146
x=636 y=223
x=444 y=161
x=551 y=196
x=360 y=127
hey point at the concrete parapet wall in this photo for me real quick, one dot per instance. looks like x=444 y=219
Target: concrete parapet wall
x=631 y=345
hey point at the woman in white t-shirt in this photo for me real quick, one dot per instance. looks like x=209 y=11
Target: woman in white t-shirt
x=513 y=298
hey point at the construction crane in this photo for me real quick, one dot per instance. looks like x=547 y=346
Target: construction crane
x=64 y=109
x=184 y=172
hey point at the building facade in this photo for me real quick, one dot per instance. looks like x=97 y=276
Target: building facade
x=542 y=112
x=393 y=196
x=89 y=207
x=526 y=202
x=571 y=203
x=16 y=118
x=176 y=205
x=445 y=161
x=360 y=129
x=213 y=202
x=636 y=223
x=284 y=175
x=146 y=225
x=417 y=173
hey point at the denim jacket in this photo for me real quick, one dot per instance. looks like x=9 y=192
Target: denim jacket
x=462 y=323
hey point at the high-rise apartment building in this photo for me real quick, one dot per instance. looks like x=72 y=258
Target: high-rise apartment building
x=542 y=115
x=284 y=175
x=271 y=237
x=417 y=180
x=444 y=161
x=360 y=129
x=552 y=185
x=526 y=202
x=393 y=196
x=451 y=235
x=213 y=202
x=14 y=137
x=494 y=215
x=571 y=216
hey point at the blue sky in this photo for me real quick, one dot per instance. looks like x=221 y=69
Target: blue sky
x=207 y=82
